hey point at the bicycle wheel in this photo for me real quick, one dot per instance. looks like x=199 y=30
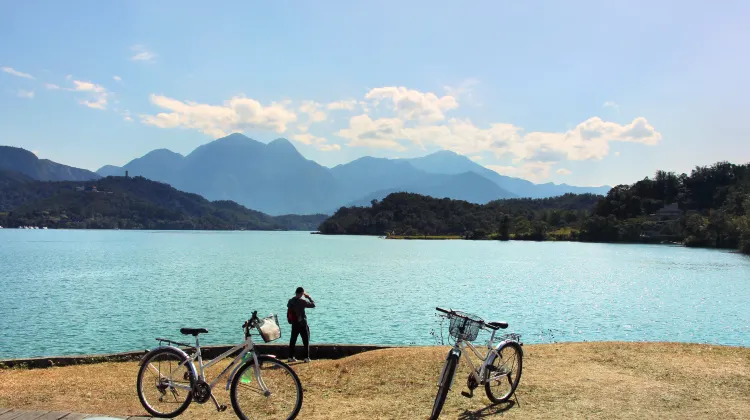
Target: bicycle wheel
x=164 y=383
x=284 y=398
x=504 y=373
x=444 y=385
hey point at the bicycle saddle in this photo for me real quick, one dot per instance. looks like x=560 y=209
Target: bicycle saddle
x=497 y=325
x=193 y=331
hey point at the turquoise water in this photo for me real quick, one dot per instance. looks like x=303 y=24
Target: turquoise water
x=73 y=292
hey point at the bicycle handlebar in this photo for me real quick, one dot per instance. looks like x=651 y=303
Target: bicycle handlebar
x=454 y=313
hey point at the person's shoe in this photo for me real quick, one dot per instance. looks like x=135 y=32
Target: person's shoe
x=307 y=360
x=291 y=359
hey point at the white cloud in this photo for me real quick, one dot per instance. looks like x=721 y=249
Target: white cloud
x=329 y=147
x=88 y=87
x=563 y=171
x=307 y=138
x=462 y=136
x=378 y=134
x=96 y=103
x=313 y=111
x=117 y=78
x=319 y=143
x=126 y=116
x=412 y=104
x=476 y=158
x=98 y=94
x=142 y=54
x=52 y=86
x=533 y=171
x=17 y=73
x=589 y=140
x=617 y=153
x=419 y=122
x=611 y=104
x=236 y=114
x=26 y=94
x=348 y=105
x=464 y=91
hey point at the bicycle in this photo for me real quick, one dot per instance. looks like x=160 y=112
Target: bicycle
x=501 y=365
x=260 y=384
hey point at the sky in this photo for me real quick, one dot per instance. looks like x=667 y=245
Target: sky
x=581 y=92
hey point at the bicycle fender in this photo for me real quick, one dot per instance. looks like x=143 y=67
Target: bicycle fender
x=493 y=354
x=190 y=366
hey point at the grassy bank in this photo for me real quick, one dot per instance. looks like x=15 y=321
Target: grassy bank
x=577 y=380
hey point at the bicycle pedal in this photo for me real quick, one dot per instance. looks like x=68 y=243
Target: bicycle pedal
x=222 y=408
x=468 y=394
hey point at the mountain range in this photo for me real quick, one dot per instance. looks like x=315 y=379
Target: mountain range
x=24 y=162
x=276 y=179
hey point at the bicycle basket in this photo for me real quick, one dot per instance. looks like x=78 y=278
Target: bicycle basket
x=465 y=326
x=269 y=328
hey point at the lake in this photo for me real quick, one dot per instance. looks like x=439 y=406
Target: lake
x=81 y=292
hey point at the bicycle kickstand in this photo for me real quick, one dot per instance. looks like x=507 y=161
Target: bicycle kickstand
x=219 y=408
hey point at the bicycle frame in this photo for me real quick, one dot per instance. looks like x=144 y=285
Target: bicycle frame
x=248 y=346
x=488 y=358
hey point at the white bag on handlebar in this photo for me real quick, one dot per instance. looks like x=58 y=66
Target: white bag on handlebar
x=269 y=328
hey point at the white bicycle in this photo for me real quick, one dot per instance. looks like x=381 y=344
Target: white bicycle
x=261 y=385
x=500 y=370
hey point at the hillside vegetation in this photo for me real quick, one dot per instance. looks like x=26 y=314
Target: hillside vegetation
x=129 y=203
x=712 y=210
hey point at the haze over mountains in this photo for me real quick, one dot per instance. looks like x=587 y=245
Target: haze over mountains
x=276 y=179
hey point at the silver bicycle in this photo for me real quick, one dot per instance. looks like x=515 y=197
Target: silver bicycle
x=500 y=370
x=261 y=385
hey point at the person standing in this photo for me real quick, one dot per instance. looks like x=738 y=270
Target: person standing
x=298 y=318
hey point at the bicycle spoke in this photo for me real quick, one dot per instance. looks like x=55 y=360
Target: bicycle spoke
x=157 y=390
x=284 y=398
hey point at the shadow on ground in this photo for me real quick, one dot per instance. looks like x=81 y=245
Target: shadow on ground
x=487 y=411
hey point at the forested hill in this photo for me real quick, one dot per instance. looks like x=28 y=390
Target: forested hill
x=710 y=207
x=410 y=214
x=128 y=203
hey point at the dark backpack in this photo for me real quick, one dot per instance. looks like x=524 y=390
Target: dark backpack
x=291 y=317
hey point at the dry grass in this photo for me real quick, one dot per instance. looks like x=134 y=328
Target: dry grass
x=581 y=380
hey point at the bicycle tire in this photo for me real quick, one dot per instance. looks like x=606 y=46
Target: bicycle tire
x=248 y=365
x=139 y=385
x=513 y=382
x=451 y=363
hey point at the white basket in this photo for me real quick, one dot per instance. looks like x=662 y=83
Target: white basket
x=269 y=328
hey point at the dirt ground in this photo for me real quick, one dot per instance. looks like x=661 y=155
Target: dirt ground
x=572 y=380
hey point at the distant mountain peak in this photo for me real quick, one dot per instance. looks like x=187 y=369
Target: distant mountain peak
x=162 y=152
x=235 y=136
x=445 y=153
x=281 y=142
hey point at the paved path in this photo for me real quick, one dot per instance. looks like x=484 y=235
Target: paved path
x=10 y=414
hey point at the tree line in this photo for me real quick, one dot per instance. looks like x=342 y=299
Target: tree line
x=711 y=209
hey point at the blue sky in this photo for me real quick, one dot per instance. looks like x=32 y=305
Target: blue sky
x=583 y=92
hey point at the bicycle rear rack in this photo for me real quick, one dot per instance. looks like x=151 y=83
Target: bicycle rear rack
x=164 y=340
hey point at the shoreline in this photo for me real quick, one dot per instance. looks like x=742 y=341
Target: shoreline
x=329 y=351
